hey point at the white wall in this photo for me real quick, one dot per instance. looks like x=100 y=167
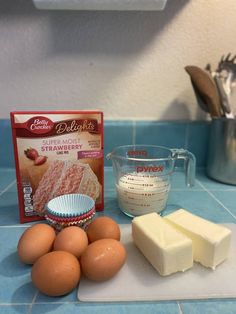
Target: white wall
x=129 y=64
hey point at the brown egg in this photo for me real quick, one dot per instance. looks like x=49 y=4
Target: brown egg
x=103 y=228
x=102 y=259
x=35 y=242
x=71 y=239
x=56 y=273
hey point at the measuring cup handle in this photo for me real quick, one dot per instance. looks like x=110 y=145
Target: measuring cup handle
x=189 y=164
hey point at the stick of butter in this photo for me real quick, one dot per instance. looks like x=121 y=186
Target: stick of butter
x=211 y=242
x=167 y=249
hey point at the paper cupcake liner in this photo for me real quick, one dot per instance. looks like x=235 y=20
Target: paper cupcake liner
x=69 y=219
x=70 y=205
x=83 y=223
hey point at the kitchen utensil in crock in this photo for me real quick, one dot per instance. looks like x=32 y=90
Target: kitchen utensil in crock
x=227 y=72
x=225 y=106
x=224 y=100
x=207 y=88
x=227 y=63
x=200 y=100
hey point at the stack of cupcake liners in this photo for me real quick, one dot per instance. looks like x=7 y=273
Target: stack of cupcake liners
x=70 y=210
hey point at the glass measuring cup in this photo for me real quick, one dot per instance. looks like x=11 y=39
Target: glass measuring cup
x=142 y=174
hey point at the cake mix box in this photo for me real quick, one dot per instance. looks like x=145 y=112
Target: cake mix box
x=56 y=153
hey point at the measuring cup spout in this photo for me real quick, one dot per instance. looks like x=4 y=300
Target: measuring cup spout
x=189 y=164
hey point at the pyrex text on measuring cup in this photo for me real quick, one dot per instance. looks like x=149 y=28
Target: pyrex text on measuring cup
x=142 y=174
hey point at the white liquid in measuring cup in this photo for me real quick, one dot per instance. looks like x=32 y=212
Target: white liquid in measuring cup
x=140 y=193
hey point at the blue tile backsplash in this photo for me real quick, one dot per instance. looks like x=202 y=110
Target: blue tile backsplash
x=161 y=133
x=197 y=140
x=6 y=148
x=176 y=134
x=209 y=199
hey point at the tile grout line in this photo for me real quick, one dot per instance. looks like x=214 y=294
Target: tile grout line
x=7 y=187
x=57 y=302
x=216 y=199
x=14 y=304
x=33 y=302
x=180 y=307
x=38 y=303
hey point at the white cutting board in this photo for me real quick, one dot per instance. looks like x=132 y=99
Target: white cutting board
x=139 y=281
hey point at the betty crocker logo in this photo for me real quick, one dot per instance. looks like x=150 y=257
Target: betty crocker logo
x=40 y=125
